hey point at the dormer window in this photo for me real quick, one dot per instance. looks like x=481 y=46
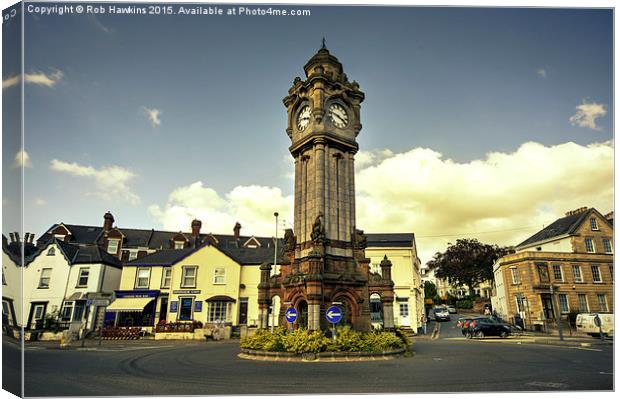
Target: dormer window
x=593 y=224
x=51 y=251
x=113 y=246
x=179 y=244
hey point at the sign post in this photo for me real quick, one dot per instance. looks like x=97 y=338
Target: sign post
x=291 y=316
x=333 y=315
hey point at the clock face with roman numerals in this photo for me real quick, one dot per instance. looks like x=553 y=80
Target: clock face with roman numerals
x=303 y=119
x=338 y=115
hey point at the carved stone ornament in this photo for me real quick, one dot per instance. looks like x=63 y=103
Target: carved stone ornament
x=318 y=231
x=289 y=240
x=360 y=240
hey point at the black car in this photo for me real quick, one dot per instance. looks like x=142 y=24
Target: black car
x=487 y=326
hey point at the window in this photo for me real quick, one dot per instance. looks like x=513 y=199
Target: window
x=166 y=277
x=515 y=275
x=593 y=224
x=142 y=277
x=112 y=246
x=185 y=311
x=520 y=303
x=67 y=309
x=219 y=277
x=51 y=251
x=188 y=279
x=564 y=303
x=607 y=245
x=133 y=255
x=557 y=273
x=3 y=278
x=404 y=309
x=577 y=274
x=611 y=271
x=583 y=303
x=5 y=308
x=602 y=303
x=596 y=274
x=44 y=281
x=179 y=245
x=219 y=311
x=83 y=277
x=589 y=245
x=543 y=272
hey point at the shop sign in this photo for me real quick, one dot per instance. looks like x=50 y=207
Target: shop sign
x=186 y=292
x=174 y=306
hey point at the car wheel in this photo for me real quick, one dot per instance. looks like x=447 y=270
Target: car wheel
x=503 y=334
x=479 y=334
x=468 y=335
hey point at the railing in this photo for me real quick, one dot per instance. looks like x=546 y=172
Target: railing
x=121 y=333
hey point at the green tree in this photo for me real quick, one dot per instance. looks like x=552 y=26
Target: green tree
x=468 y=262
x=430 y=290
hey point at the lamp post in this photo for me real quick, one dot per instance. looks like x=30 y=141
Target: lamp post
x=275 y=260
x=556 y=313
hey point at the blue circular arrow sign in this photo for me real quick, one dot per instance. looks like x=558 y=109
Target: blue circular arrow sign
x=333 y=314
x=291 y=315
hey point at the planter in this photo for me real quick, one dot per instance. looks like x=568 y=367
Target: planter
x=321 y=357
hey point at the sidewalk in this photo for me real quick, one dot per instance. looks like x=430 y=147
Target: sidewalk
x=95 y=344
x=575 y=340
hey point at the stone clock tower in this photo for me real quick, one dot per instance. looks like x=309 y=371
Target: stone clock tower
x=324 y=260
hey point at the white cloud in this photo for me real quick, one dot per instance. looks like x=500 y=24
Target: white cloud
x=252 y=206
x=111 y=182
x=40 y=201
x=503 y=198
x=420 y=191
x=35 y=77
x=587 y=114
x=153 y=115
x=541 y=72
x=22 y=159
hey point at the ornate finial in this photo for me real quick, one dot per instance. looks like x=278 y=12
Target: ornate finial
x=323 y=45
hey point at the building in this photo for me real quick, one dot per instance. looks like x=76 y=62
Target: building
x=401 y=250
x=565 y=267
x=325 y=263
x=61 y=281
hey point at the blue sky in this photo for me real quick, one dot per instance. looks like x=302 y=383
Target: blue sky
x=460 y=82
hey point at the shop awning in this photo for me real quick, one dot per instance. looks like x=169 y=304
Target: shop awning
x=128 y=304
x=220 y=298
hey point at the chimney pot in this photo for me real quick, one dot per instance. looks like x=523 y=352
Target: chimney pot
x=237 y=230
x=196 y=225
x=108 y=221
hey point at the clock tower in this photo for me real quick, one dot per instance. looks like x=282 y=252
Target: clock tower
x=324 y=261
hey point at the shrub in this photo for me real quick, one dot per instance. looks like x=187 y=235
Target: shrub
x=348 y=340
x=304 y=341
x=381 y=341
x=404 y=338
x=465 y=304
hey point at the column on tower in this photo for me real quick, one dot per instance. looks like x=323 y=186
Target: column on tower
x=319 y=152
x=297 y=210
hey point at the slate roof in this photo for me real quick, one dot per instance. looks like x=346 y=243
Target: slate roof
x=164 y=257
x=390 y=239
x=563 y=226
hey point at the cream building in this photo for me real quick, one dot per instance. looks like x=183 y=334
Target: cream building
x=70 y=283
x=400 y=248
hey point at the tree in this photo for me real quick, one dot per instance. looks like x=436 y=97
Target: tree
x=468 y=262
x=430 y=290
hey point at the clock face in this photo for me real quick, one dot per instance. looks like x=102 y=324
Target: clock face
x=338 y=115
x=303 y=118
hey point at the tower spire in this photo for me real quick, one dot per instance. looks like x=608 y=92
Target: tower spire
x=323 y=43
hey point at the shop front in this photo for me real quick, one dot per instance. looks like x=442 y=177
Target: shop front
x=133 y=308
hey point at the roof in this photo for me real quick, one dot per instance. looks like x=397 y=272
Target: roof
x=563 y=226
x=165 y=257
x=390 y=239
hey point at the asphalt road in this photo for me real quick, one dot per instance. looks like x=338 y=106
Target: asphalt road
x=447 y=364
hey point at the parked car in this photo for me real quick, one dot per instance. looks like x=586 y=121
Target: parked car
x=586 y=323
x=481 y=327
x=441 y=313
x=463 y=324
x=451 y=309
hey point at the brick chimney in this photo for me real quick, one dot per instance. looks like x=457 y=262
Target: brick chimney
x=237 y=230
x=196 y=225
x=108 y=221
x=577 y=211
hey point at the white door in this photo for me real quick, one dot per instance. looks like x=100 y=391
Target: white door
x=403 y=314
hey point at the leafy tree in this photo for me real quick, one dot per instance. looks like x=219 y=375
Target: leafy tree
x=468 y=262
x=430 y=290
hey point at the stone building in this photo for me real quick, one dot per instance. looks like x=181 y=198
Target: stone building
x=326 y=262
x=565 y=267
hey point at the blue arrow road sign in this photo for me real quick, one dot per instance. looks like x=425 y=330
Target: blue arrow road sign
x=333 y=314
x=291 y=315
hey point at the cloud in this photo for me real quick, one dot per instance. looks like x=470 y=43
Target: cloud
x=111 y=182
x=252 y=206
x=541 y=72
x=153 y=115
x=22 y=160
x=587 y=113
x=40 y=201
x=503 y=198
x=36 y=77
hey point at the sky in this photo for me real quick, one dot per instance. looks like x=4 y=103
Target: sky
x=477 y=123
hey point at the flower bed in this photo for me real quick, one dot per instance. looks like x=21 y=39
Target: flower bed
x=121 y=333
x=177 y=327
x=302 y=341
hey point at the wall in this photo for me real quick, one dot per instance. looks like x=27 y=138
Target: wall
x=250 y=277
x=13 y=288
